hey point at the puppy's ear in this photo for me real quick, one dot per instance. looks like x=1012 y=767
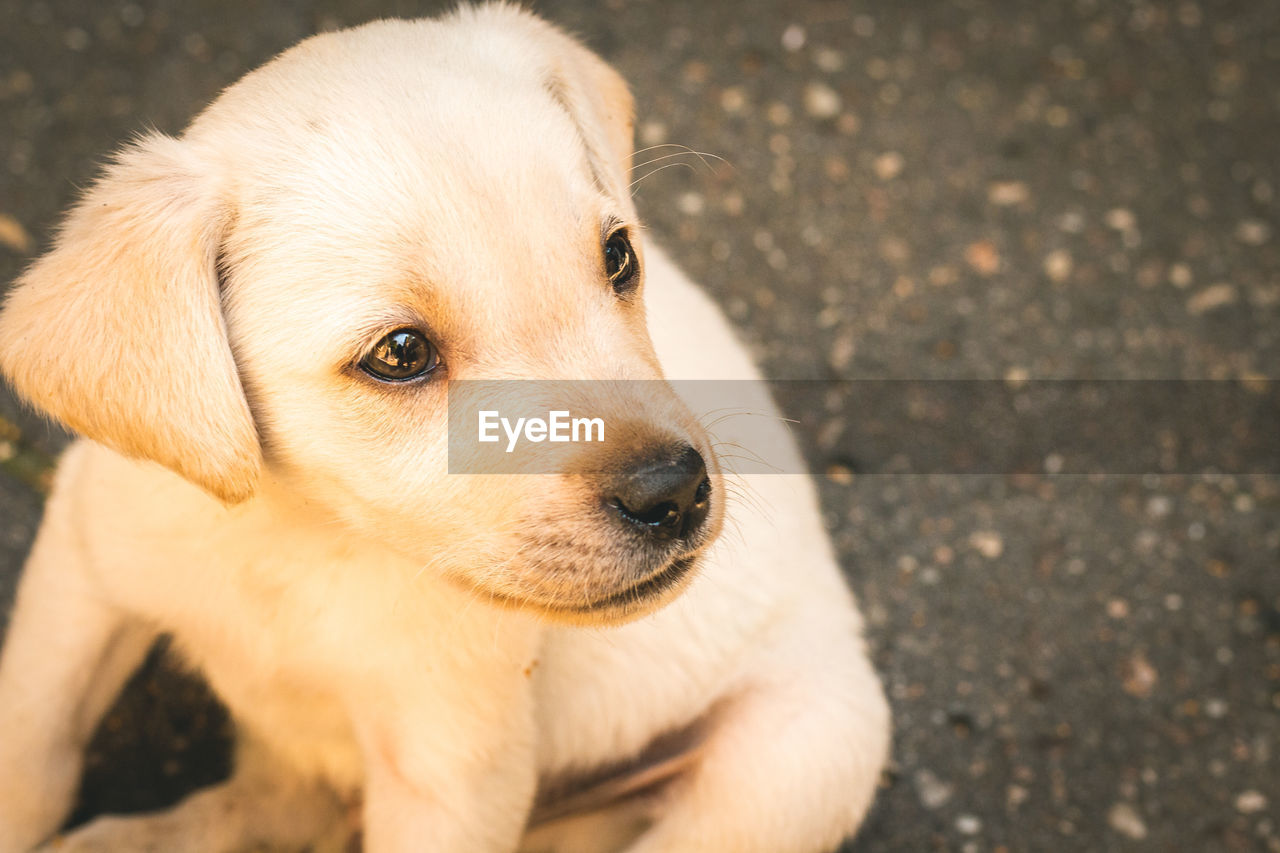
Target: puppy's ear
x=598 y=100
x=118 y=332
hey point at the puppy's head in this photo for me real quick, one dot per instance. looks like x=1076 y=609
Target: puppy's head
x=273 y=307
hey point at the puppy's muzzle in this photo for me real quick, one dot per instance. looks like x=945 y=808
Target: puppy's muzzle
x=664 y=497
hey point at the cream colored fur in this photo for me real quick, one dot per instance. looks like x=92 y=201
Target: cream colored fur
x=290 y=523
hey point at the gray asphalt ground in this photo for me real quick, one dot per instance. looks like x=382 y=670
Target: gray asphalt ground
x=978 y=189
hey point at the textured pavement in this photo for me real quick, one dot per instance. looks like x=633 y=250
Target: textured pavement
x=967 y=190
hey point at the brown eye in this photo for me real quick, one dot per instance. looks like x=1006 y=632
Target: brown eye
x=620 y=262
x=400 y=356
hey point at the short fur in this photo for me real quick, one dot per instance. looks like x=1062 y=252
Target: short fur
x=408 y=654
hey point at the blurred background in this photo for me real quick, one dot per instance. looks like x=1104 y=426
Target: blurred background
x=976 y=189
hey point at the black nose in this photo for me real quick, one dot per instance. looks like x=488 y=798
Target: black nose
x=668 y=497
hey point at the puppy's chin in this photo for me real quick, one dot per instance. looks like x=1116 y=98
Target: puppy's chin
x=627 y=604
x=648 y=595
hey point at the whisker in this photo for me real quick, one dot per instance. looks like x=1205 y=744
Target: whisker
x=739 y=413
x=729 y=412
x=747 y=495
x=656 y=171
x=701 y=155
x=685 y=153
x=653 y=160
x=654 y=147
x=745 y=453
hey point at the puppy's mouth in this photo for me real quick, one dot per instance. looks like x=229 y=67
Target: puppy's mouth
x=623 y=605
x=646 y=590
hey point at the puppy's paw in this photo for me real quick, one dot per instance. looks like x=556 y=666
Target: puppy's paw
x=26 y=818
x=105 y=834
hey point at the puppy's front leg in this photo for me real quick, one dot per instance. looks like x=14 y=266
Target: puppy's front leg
x=452 y=772
x=65 y=658
x=792 y=762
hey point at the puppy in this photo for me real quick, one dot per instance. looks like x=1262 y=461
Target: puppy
x=255 y=326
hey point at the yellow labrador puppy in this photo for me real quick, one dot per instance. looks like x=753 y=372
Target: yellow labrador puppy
x=254 y=326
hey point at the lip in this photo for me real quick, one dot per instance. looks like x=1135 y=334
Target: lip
x=634 y=597
x=650 y=587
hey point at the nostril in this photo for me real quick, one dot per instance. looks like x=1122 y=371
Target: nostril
x=699 y=509
x=666 y=513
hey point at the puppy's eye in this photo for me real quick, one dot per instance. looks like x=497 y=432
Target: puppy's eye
x=620 y=262
x=400 y=356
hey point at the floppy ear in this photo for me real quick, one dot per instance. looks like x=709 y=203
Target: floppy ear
x=118 y=332
x=598 y=100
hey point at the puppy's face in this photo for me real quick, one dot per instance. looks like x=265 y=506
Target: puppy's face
x=389 y=210
x=380 y=254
